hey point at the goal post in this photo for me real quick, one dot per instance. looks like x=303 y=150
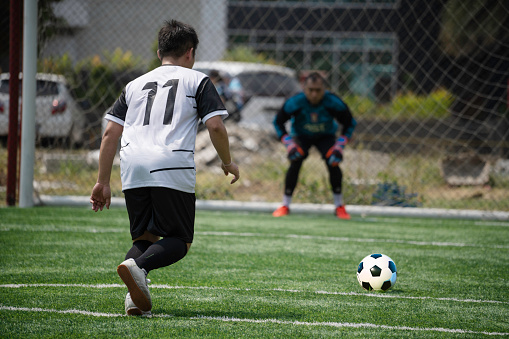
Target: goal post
x=27 y=160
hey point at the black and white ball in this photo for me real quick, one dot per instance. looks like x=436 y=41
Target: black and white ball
x=377 y=272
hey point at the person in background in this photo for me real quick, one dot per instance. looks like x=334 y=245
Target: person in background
x=221 y=86
x=314 y=114
x=232 y=100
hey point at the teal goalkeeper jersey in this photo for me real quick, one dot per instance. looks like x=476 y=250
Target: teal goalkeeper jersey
x=315 y=121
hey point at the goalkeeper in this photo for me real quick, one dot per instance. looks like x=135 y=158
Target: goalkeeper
x=315 y=114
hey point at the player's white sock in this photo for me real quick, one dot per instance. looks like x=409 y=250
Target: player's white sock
x=287 y=200
x=338 y=199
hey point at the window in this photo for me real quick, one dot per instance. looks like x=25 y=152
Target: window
x=268 y=84
x=44 y=88
x=4 y=86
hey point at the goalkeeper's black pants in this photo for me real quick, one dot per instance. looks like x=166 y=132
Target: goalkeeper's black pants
x=323 y=144
x=292 y=176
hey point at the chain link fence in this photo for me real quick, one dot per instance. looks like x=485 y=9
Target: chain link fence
x=427 y=82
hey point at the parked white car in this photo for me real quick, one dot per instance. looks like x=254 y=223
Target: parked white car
x=259 y=90
x=57 y=117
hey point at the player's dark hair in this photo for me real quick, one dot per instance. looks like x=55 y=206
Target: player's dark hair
x=176 y=38
x=314 y=77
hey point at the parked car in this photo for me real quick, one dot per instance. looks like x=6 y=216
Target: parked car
x=258 y=90
x=57 y=116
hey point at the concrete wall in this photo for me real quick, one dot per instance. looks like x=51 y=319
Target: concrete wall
x=132 y=25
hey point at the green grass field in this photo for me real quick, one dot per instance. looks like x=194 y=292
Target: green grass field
x=251 y=275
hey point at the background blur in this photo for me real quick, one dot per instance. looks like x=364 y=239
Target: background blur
x=426 y=80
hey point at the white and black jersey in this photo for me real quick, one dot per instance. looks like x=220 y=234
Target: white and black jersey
x=160 y=112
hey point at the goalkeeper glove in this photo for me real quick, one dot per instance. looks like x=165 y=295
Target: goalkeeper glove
x=335 y=154
x=295 y=152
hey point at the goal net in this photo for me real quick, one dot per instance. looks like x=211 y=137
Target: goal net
x=426 y=81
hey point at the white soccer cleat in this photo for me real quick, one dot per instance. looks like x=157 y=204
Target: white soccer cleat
x=136 y=282
x=132 y=309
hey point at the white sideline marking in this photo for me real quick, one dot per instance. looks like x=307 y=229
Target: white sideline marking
x=64 y=285
x=258 y=321
x=77 y=229
x=70 y=229
x=73 y=311
x=350 y=325
x=492 y=223
x=423 y=222
x=412 y=298
x=169 y=287
x=345 y=239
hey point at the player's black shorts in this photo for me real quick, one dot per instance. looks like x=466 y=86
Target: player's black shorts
x=161 y=211
x=322 y=143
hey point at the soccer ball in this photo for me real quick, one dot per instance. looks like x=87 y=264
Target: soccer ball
x=376 y=272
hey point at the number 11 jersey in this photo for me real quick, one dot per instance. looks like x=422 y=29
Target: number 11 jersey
x=160 y=112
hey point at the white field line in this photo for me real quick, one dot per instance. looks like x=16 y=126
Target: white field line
x=260 y=321
x=424 y=222
x=99 y=229
x=392 y=220
x=72 y=311
x=349 y=325
x=491 y=223
x=345 y=239
x=170 y=287
x=69 y=229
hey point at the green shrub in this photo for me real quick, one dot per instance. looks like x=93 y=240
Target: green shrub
x=403 y=106
x=95 y=81
x=247 y=54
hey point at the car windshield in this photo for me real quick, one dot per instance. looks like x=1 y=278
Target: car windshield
x=4 y=86
x=268 y=84
x=44 y=87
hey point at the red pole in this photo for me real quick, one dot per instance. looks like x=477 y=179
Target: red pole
x=14 y=62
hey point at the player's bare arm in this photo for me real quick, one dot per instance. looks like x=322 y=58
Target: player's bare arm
x=219 y=138
x=101 y=193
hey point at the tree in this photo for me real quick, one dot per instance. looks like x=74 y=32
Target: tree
x=48 y=26
x=471 y=26
x=474 y=35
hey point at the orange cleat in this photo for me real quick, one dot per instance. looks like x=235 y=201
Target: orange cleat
x=341 y=213
x=281 y=211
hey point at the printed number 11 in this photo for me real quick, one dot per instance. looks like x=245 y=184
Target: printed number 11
x=170 y=102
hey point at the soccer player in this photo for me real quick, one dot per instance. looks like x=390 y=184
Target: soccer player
x=156 y=117
x=314 y=115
